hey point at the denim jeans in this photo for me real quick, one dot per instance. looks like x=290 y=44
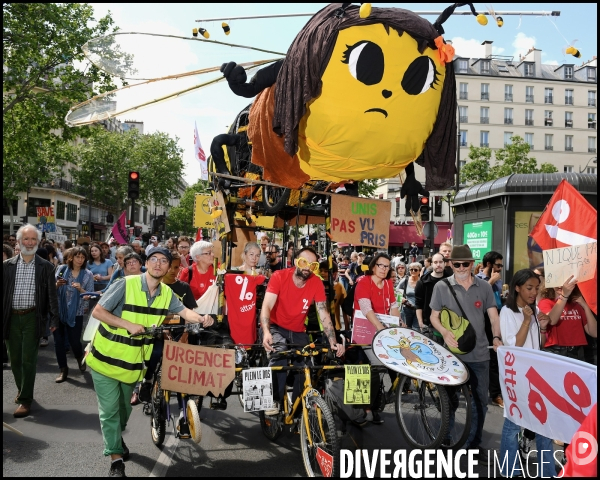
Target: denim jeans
x=509 y=449
x=479 y=380
x=64 y=332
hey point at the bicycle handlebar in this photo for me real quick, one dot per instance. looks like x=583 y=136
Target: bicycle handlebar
x=158 y=331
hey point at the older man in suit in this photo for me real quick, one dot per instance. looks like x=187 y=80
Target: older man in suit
x=29 y=294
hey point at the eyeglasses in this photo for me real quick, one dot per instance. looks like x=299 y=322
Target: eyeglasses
x=183 y=247
x=155 y=260
x=498 y=265
x=461 y=264
x=382 y=265
x=416 y=269
x=135 y=262
x=303 y=263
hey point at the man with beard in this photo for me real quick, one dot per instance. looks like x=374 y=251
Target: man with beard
x=289 y=295
x=423 y=293
x=29 y=294
x=475 y=297
x=128 y=308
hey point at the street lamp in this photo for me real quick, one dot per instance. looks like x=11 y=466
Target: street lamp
x=591 y=160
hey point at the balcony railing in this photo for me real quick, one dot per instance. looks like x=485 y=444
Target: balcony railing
x=548 y=147
x=592 y=125
x=484 y=144
x=463 y=144
x=568 y=100
x=548 y=122
x=529 y=122
x=568 y=149
x=591 y=150
x=568 y=123
x=508 y=97
x=485 y=95
x=463 y=95
x=548 y=99
x=529 y=98
x=508 y=121
x=462 y=119
x=591 y=102
x=484 y=120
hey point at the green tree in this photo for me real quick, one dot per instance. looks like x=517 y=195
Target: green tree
x=181 y=218
x=44 y=75
x=366 y=188
x=513 y=158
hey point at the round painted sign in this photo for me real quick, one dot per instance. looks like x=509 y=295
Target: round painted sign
x=413 y=354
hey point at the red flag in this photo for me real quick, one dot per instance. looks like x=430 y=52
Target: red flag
x=569 y=219
x=200 y=155
x=199 y=235
x=119 y=231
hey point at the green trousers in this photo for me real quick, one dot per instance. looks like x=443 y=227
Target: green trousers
x=114 y=408
x=22 y=347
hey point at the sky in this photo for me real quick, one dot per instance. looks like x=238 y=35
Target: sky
x=214 y=107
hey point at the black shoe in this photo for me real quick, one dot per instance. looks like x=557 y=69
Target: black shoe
x=377 y=420
x=117 y=469
x=483 y=456
x=125 y=450
x=219 y=404
x=183 y=428
x=145 y=394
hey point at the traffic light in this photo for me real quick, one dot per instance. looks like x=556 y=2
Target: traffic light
x=424 y=207
x=133 y=187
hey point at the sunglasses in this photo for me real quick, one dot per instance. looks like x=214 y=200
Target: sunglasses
x=461 y=264
x=416 y=269
x=303 y=263
x=382 y=265
x=498 y=265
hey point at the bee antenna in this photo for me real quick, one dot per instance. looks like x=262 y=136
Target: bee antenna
x=447 y=13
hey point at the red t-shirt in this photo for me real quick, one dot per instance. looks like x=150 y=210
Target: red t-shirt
x=381 y=298
x=568 y=332
x=292 y=302
x=200 y=281
x=240 y=291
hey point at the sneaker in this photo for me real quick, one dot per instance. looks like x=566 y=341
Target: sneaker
x=125 y=450
x=44 y=342
x=219 y=404
x=117 y=469
x=498 y=401
x=183 y=429
x=377 y=420
x=274 y=410
x=524 y=444
x=135 y=398
x=483 y=456
x=145 y=394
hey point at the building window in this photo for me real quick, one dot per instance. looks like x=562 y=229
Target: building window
x=463 y=65
x=36 y=202
x=529 y=117
x=568 y=169
x=71 y=212
x=548 y=118
x=508 y=138
x=568 y=119
x=568 y=73
x=462 y=163
x=591 y=74
x=591 y=98
x=568 y=97
x=529 y=94
x=592 y=120
x=485 y=91
x=5 y=209
x=592 y=144
x=463 y=138
x=60 y=210
x=529 y=140
x=463 y=114
x=484 y=115
x=591 y=170
x=464 y=91
x=485 y=67
x=484 y=139
x=549 y=95
x=508 y=116
x=508 y=93
x=548 y=142
x=529 y=69
x=568 y=143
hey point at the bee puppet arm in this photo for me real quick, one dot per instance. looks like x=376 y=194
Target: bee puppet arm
x=218 y=155
x=236 y=77
x=412 y=188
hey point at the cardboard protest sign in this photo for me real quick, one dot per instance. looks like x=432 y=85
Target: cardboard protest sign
x=360 y=221
x=196 y=370
x=357 y=384
x=258 y=389
x=561 y=263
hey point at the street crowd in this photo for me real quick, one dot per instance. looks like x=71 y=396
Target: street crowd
x=50 y=289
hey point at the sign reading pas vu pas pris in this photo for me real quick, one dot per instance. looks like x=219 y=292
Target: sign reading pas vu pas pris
x=360 y=221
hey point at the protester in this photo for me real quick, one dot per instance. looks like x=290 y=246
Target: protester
x=100 y=266
x=352 y=271
x=342 y=267
x=172 y=244
x=200 y=275
x=423 y=294
x=72 y=279
x=137 y=248
x=119 y=266
x=128 y=308
x=478 y=269
x=152 y=243
x=523 y=325
x=250 y=257
x=426 y=266
x=29 y=295
x=289 y=255
x=476 y=297
x=11 y=240
x=401 y=271
x=183 y=248
x=265 y=243
x=274 y=263
x=413 y=252
x=132 y=264
x=407 y=286
x=52 y=255
x=7 y=252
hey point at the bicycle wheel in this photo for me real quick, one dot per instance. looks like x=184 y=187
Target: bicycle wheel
x=459 y=423
x=274 y=198
x=158 y=422
x=422 y=412
x=271 y=425
x=319 y=444
x=193 y=418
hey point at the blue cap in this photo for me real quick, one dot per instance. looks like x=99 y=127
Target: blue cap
x=162 y=250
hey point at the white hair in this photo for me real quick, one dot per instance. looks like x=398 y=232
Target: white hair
x=137 y=242
x=415 y=265
x=199 y=247
x=25 y=227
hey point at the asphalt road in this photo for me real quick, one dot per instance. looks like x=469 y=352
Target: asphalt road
x=62 y=437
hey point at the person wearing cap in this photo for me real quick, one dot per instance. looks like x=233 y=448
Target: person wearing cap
x=115 y=358
x=475 y=297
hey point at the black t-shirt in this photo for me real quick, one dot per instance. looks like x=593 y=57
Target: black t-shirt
x=274 y=268
x=184 y=293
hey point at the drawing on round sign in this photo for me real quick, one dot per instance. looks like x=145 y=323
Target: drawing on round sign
x=415 y=355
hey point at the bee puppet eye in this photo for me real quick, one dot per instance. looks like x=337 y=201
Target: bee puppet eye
x=420 y=76
x=365 y=61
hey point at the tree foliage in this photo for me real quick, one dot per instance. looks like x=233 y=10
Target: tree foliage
x=366 y=188
x=513 y=158
x=44 y=75
x=181 y=219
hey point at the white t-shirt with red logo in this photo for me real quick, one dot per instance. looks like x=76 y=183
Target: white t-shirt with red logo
x=200 y=281
x=568 y=332
x=292 y=302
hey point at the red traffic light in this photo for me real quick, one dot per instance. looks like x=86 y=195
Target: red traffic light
x=424 y=200
x=134 y=175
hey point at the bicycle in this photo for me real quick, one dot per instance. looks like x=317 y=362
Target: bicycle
x=318 y=436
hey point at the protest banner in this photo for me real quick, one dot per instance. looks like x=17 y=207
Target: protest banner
x=577 y=260
x=547 y=393
x=357 y=384
x=45 y=219
x=360 y=221
x=363 y=330
x=196 y=370
x=258 y=389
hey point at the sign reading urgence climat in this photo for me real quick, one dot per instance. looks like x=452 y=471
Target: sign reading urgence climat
x=360 y=221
